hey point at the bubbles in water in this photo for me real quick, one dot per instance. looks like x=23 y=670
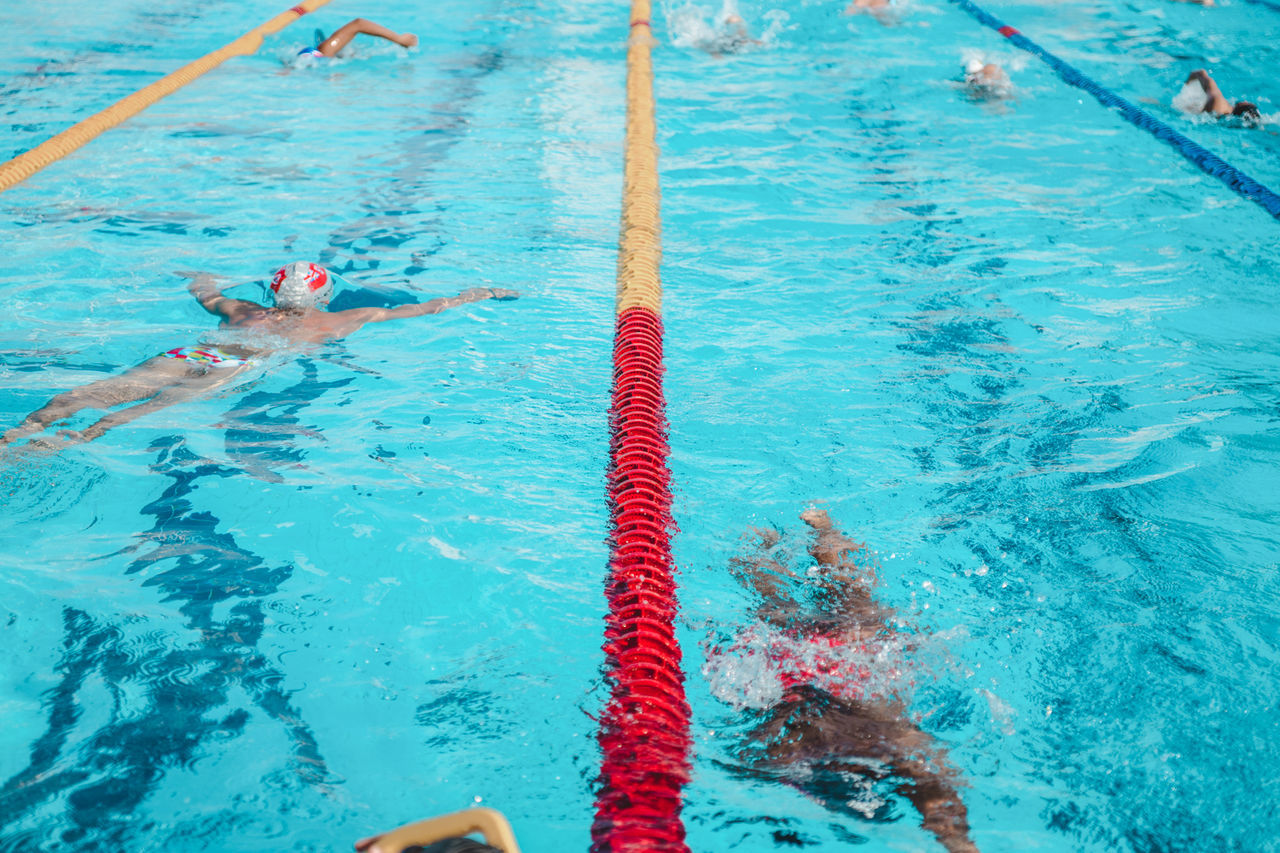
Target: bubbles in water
x=763 y=662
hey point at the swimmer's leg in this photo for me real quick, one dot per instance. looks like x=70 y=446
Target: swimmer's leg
x=351 y=29
x=138 y=383
x=185 y=388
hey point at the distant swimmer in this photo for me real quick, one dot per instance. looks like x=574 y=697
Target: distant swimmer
x=1200 y=94
x=734 y=36
x=297 y=317
x=880 y=9
x=327 y=48
x=987 y=80
x=824 y=679
x=727 y=36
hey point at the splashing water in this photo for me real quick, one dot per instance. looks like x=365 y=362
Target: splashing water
x=757 y=668
x=1191 y=97
x=695 y=26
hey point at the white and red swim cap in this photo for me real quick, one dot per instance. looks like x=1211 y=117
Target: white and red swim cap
x=301 y=285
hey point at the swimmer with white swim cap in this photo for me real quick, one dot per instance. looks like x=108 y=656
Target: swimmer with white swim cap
x=986 y=80
x=300 y=291
x=301 y=285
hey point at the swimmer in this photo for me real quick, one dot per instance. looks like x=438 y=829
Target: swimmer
x=329 y=47
x=879 y=8
x=986 y=80
x=1214 y=101
x=732 y=36
x=831 y=735
x=300 y=291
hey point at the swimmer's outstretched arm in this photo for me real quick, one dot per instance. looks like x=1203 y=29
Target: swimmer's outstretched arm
x=354 y=318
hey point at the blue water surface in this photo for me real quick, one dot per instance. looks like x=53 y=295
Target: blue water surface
x=1024 y=351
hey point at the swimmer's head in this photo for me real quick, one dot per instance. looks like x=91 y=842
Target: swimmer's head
x=301 y=285
x=972 y=67
x=1247 y=111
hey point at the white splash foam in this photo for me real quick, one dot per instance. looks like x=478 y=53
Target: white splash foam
x=1191 y=97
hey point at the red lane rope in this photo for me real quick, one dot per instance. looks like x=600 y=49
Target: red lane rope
x=644 y=730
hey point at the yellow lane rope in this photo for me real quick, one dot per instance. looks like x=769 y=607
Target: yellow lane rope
x=640 y=246
x=56 y=147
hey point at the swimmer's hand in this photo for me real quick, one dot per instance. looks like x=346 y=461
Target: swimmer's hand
x=367 y=844
x=498 y=293
x=193 y=274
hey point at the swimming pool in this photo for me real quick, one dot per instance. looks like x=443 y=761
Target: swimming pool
x=1022 y=350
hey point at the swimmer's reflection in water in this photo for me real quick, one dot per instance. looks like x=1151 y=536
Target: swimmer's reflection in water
x=298 y=317
x=838 y=728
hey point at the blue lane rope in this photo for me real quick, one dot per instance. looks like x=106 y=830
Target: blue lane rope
x=1208 y=161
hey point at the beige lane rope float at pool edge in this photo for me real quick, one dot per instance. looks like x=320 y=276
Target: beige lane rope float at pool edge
x=56 y=147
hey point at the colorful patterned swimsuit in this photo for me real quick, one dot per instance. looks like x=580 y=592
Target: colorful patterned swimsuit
x=206 y=356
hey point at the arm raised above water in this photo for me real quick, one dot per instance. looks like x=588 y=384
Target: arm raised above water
x=205 y=289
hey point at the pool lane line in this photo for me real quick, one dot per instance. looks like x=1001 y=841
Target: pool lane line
x=1270 y=4
x=644 y=728
x=1208 y=162
x=56 y=147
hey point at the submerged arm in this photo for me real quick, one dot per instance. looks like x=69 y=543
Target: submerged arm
x=767 y=578
x=847 y=574
x=431 y=306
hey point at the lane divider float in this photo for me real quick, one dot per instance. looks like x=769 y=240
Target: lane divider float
x=1205 y=159
x=56 y=147
x=644 y=729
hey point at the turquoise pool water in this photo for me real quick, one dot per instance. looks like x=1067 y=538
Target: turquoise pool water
x=1024 y=351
